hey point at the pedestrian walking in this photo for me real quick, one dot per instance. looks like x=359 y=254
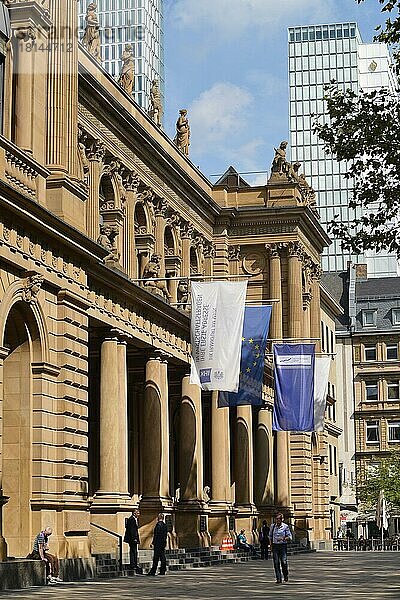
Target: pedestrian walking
x=340 y=538
x=159 y=543
x=280 y=535
x=263 y=536
x=131 y=537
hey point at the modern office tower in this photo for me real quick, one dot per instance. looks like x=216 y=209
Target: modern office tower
x=135 y=22
x=318 y=54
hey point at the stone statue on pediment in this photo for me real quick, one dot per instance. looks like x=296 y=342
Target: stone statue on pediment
x=182 y=138
x=183 y=294
x=156 y=108
x=91 y=38
x=127 y=77
x=151 y=274
x=107 y=239
x=280 y=165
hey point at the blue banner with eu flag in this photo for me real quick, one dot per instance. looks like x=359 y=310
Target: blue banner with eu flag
x=254 y=343
x=294 y=387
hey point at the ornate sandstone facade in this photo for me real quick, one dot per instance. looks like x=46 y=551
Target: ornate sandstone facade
x=97 y=414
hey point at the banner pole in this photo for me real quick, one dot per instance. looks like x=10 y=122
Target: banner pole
x=250 y=302
x=284 y=340
x=193 y=278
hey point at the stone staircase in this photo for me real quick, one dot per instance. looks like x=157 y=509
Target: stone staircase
x=182 y=559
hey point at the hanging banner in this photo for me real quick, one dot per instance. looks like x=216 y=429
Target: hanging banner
x=294 y=387
x=216 y=333
x=381 y=513
x=254 y=343
x=321 y=377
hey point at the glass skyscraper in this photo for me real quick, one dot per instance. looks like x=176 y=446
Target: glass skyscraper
x=318 y=54
x=135 y=22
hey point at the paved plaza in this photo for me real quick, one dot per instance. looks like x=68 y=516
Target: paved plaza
x=323 y=575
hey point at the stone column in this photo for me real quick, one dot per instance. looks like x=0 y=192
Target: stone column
x=220 y=453
x=3 y=499
x=264 y=472
x=30 y=25
x=161 y=214
x=63 y=88
x=24 y=54
x=131 y=183
x=113 y=423
x=282 y=497
x=295 y=293
x=123 y=416
x=190 y=465
x=221 y=497
x=244 y=495
x=315 y=307
x=155 y=446
x=95 y=154
x=306 y=318
x=66 y=196
x=300 y=443
x=191 y=443
x=186 y=236
x=209 y=255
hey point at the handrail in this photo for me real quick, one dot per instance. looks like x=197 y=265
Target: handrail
x=373 y=544
x=119 y=542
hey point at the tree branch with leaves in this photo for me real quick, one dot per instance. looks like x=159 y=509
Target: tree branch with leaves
x=363 y=132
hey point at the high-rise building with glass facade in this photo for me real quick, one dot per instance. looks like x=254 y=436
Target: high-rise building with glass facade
x=135 y=22
x=318 y=54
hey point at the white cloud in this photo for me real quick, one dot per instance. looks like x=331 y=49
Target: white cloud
x=217 y=116
x=230 y=16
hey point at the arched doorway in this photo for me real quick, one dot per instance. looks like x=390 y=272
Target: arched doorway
x=21 y=339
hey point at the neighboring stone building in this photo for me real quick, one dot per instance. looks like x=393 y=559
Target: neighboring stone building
x=97 y=412
x=330 y=311
x=368 y=337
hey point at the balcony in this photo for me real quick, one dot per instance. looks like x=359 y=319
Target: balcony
x=21 y=171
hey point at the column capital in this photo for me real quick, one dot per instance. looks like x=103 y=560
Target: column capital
x=209 y=249
x=316 y=273
x=121 y=336
x=295 y=250
x=275 y=250
x=96 y=150
x=158 y=355
x=187 y=230
x=146 y=194
x=25 y=34
x=234 y=253
x=131 y=181
x=160 y=207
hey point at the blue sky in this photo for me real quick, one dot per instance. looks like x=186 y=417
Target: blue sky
x=226 y=62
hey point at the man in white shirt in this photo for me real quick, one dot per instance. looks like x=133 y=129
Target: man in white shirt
x=279 y=535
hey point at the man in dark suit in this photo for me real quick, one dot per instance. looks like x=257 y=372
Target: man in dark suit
x=159 y=543
x=131 y=537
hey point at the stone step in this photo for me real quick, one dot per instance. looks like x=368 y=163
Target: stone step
x=182 y=559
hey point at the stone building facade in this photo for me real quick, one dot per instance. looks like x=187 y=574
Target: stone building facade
x=97 y=414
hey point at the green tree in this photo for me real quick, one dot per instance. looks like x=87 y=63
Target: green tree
x=363 y=130
x=386 y=478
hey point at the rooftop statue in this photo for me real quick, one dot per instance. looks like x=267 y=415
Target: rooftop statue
x=182 y=138
x=280 y=165
x=91 y=38
x=155 y=109
x=127 y=77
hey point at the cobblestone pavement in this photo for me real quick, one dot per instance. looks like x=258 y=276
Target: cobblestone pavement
x=372 y=575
